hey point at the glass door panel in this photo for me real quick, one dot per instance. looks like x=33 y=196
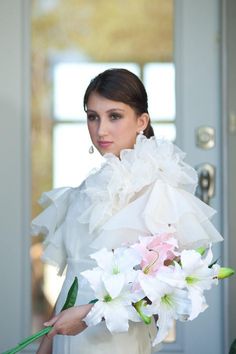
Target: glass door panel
x=72 y=41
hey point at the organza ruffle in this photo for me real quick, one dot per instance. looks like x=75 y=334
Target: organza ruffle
x=150 y=189
x=120 y=181
x=51 y=223
x=162 y=208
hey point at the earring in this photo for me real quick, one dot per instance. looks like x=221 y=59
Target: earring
x=91 y=149
x=141 y=132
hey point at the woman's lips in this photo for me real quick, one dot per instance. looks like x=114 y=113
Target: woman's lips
x=104 y=144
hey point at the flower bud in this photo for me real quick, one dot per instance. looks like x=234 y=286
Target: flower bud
x=225 y=273
x=201 y=250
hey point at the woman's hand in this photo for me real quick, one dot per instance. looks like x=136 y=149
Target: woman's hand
x=69 y=322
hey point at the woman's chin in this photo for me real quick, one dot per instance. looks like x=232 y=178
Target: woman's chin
x=110 y=150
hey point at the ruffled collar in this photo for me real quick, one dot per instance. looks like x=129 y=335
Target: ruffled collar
x=120 y=180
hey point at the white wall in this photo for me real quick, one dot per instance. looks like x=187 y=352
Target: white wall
x=14 y=171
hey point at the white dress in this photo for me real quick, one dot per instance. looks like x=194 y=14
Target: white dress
x=147 y=190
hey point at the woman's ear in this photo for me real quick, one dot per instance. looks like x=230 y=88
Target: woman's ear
x=142 y=122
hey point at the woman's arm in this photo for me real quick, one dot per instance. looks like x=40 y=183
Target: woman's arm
x=69 y=322
x=45 y=346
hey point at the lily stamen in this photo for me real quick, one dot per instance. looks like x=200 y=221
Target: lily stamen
x=148 y=267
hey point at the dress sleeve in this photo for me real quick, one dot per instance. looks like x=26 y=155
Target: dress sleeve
x=162 y=208
x=51 y=223
x=171 y=207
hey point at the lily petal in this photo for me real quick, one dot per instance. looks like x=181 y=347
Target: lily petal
x=103 y=258
x=114 y=283
x=165 y=322
x=94 y=278
x=95 y=315
x=198 y=303
x=116 y=317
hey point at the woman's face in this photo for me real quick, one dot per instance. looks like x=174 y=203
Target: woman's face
x=113 y=125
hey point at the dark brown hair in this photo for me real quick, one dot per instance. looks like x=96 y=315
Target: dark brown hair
x=123 y=86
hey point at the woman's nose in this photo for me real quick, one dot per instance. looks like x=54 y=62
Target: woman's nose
x=102 y=128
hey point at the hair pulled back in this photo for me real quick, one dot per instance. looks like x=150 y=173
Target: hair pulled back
x=123 y=86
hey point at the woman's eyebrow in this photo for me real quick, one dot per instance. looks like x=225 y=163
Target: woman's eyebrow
x=90 y=110
x=109 y=110
x=115 y=109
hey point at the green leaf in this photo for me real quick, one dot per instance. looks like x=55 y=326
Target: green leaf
x=71 y=296
x=233 y=348
x=211 y=265
x=93 y=301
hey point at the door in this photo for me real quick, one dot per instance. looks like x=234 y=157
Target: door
x=197 y=53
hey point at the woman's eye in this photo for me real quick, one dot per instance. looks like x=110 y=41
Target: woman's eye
x=92 y=117
x=115 y=116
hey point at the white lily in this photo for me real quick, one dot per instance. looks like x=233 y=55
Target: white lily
x=121 y=260
x=117 y=266
x=114 y=301
x=168 y=302
x=174 y=305
x=112 y=283
x=172 y=275
x=198 y=275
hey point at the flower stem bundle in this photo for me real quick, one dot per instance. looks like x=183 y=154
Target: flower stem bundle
x=70 y=301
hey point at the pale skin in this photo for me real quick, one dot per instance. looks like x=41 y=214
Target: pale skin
x=112 y=126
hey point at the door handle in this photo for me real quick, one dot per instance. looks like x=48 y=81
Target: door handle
x=206 y=182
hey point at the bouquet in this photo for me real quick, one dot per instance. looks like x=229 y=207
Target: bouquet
x=152 y=277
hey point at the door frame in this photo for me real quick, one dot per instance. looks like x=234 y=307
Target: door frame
x=198 y=24
x=228 y=88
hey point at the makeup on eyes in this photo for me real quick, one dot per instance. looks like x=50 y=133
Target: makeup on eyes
x=113 y=114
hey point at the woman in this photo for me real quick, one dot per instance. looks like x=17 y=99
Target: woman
x=143 y=187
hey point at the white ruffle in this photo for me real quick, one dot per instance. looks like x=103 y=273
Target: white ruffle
x=162 y=208
x=120 y=181
x=147 y=191
x=51 y=224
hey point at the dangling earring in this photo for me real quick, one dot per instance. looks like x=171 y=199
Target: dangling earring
x=91 y=149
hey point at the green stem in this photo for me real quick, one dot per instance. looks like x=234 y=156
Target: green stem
x=28 y=340
x=138 y=307
x=70 y=301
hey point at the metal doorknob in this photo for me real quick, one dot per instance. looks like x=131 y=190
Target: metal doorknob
x=206 y=182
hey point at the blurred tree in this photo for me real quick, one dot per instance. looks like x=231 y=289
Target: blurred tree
x=118 y=30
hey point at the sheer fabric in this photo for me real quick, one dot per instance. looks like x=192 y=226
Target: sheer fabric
x=149 y=189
